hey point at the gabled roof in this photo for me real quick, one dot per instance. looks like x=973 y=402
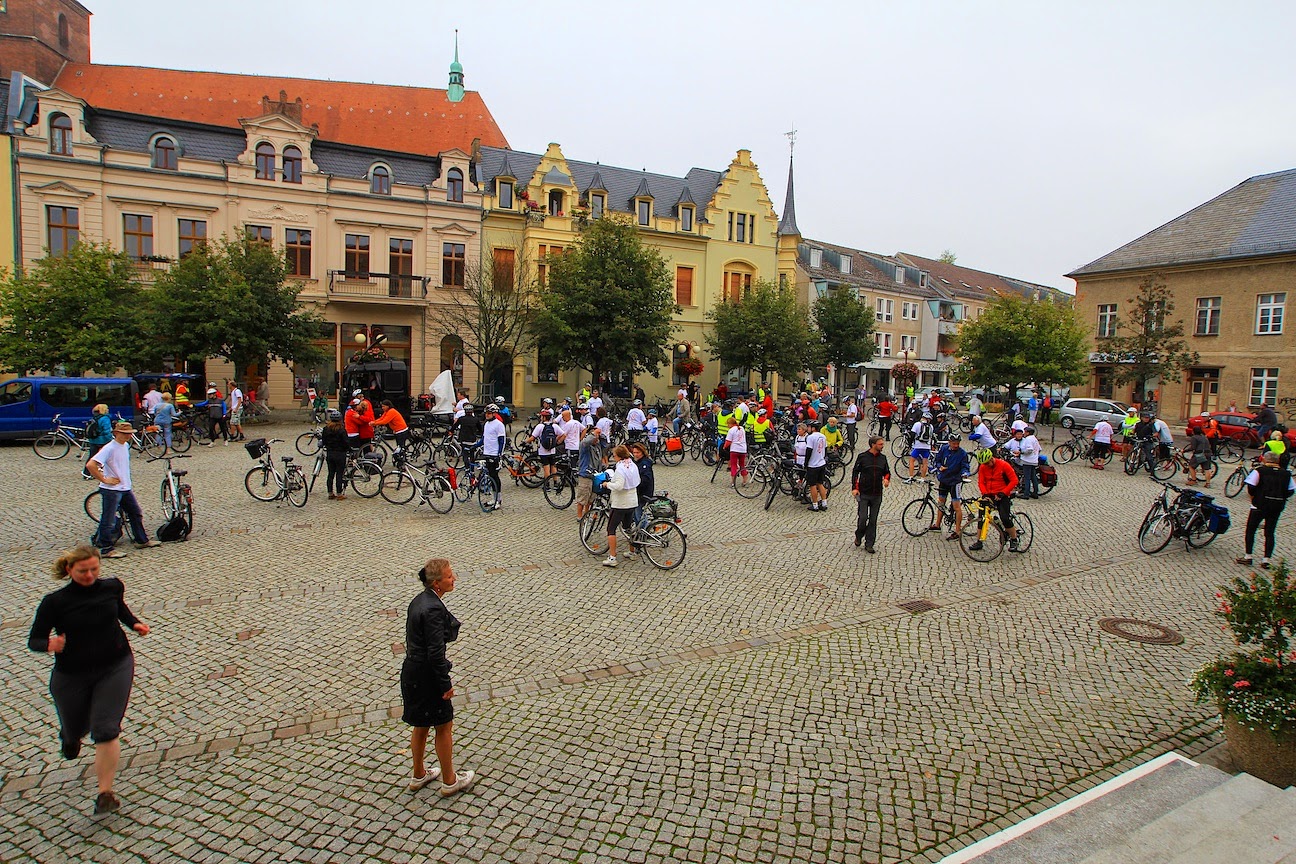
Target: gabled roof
x=643 y=191
x=961 y=281
x=419 y=120
x=1257 y=217
x=621 y=184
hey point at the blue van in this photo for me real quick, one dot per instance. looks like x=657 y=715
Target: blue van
x=28 y=405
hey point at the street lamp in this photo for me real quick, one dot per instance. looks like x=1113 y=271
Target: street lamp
x=904 y=356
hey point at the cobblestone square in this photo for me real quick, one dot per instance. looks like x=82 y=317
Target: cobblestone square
x=767 y=701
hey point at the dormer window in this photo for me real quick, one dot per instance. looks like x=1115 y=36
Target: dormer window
x=816 y=257
x=380 y=181
x=900 y=271
x=164 y=154
x=686 y=218
x=265 y=161
x=292 y=165
x=597 y=204
x=845 y=264
x=643 y=207
x=504 y=194
x=556 y=198
x=454 y=185
x=61 y=135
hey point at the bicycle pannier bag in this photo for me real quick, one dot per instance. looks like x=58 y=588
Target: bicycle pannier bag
x=1218 y=519
x=256 y=448
x=1047 y=475
x=674 y=445
x=176 y=528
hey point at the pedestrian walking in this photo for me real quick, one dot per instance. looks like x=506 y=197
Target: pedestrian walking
x=736 y=443
x=94 y=667
x=111 y=467
x=236 y=406
x=870 y=476
x=1269 y=487
x=426 y=687
x=852 y=420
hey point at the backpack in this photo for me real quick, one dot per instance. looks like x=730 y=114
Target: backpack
x=176 y=528
x=548 y=437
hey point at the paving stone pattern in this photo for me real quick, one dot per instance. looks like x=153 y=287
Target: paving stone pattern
x=769 y=700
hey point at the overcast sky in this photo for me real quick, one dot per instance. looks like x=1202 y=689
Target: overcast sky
x=1029 y=138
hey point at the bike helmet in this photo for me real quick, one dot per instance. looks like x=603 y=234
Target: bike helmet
x=357 y=392
x=637 y=402
x=334 y=414
x=1275 y=435
x=545 y=412
x=985 y=457
x=499 y=400
x=469 y=408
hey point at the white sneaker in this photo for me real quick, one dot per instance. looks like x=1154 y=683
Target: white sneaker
x=417 y=783
x=462 y=782
x=610 y=561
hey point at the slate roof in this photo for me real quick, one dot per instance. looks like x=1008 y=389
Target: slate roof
x=866 y=268
x=419 y=120
x=1256 y=217
x=133 y=133
x=787 y=225
x=961 y=281
x=621 y=184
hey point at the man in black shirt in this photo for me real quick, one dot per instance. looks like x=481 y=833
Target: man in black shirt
x=469 y=426
x=869 y=477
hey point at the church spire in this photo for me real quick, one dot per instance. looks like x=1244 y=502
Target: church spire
x=456 y=89
x=787 y=225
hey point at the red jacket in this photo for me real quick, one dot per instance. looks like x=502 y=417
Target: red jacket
x=886 y=408
x=996 y=478
x=366 y=418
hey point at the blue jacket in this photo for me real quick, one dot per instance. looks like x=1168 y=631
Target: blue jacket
x=951 y=465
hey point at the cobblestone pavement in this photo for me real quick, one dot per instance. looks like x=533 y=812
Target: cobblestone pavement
x=769 y=700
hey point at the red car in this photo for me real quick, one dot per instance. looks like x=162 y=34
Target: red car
x=1238 y=426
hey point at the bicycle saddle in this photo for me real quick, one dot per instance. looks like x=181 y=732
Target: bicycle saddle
x=179 y=473
x=285 y=458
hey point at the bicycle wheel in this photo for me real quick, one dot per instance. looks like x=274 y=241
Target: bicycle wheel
x=902 y=466
x=296 y=489
x=187 y=509
x=170 y=507
x=663 y=544
x=1064 y=453
x=1229 y=451
x=366 y=478
x=1233 y=485
x=898 y=449
x=439 y=496
x=180 y=440
x=309 y=443
x=1133 y=463
x=982 y=550
x=93 y=507
x=593 y=531
x=531 y=472
x=1025 y=530
x=463 y=489
x=672 y=457
x=1197 y=533
x=917 y=516
x=709 y=454
x=1164 y=469
x=398 y=487
x=51 y=446
x=520 y=437
x=754 y=487
x=695 y=447
x=1155 y=533
x=261 y=483
x=486 y=494
x=154 y=444
x=836 y=472
x=559 y=492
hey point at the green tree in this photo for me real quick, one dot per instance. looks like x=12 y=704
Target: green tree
x=608 y=304
x=845 y=327
x=1015 y=341
x=947 y=257
x=766 y=330
x=231 y=299
x=80 y=311
x=1147 y=345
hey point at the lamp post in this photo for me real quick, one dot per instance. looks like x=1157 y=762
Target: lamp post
x=904 y=356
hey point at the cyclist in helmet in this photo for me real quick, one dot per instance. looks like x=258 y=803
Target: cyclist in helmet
x=997 y=481
x=336 y=445
x=635 y=420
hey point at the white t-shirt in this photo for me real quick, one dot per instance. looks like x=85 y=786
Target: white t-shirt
x=1164 y=435
x=974 y=405
x=236 y=398
x=535 y=433
x=594 y=404
x=491 y=436
x=152 y=400
x=737 y=439
x=571 y=434
x=1019 y=425
x=651 y=427
x=852 y=414
x=1013 y=446
x=1030 y=450
x=981 y=434
x=921 y=434
x=635 y=419
x=605 y=429
x=115 y=459
x=459 y=409
x=1102 y=432
x=816 y=450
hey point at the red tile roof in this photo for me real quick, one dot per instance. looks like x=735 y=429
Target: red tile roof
x=384 y=116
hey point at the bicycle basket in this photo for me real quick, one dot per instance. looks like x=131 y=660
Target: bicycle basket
x=662 y=508
x=1218 y=519
x=257 y=447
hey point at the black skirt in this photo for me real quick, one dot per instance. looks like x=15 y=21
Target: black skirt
x=424 y=705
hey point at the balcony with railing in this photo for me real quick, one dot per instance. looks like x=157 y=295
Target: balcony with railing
x=378 y=287
x=148 y=268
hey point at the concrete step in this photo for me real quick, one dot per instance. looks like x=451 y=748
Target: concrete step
x=1188 y=825
x=1264 y=835
x=1098 y=818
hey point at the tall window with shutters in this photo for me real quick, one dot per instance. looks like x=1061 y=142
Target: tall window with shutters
x=684 y=286
x=503 y=269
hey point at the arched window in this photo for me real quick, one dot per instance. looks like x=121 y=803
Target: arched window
x=265 y=161
x=292 y=165
x=61 y=135
x=380 y=181
x=164 y=154
x=454 y=185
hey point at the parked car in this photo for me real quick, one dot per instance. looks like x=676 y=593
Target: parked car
x=946 y=394
x=27 y=405
x=1086 y=412
x=1237 y=425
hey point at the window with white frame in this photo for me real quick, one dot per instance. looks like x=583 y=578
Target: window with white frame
x=883 y=342
x=845 y=264
x=900 y=271
x=816 y=257
x=908 y=343
x=909 y=311
x=1208 y=316
x=1264 y=386
x=1106 y=319
x=1269 y=313
x=885 y=309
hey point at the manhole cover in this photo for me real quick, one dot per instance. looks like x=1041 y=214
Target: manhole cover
x=916 y=606
x=1140 y=631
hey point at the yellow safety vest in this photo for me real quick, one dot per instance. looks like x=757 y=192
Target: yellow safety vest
x=723 y=422
x=760 y=431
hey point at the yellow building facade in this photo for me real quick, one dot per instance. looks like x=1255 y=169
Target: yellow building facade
x=8 y=204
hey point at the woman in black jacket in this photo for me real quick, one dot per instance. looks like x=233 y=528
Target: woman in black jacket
x=426 y=688
x=93 y=664
x=335 y=443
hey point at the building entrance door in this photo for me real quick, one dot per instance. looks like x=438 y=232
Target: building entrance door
x=1202 y=392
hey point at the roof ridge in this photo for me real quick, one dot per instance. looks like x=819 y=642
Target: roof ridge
x=263 y=77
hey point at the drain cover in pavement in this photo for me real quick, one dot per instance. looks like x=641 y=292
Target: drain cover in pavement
x=916 y=606
x=1140 y=631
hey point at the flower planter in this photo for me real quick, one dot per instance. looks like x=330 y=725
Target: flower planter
x=1260 y=753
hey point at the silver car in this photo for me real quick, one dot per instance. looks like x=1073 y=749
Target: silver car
x=1085 y=412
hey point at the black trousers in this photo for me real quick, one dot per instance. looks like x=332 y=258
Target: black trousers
x=885 y=423
x=851 y=434
x=867 y=518
x=93 y=703
x=336 y=472
x=1268 y=514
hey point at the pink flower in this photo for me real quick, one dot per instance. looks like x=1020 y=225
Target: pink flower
x=1268 y=660
x=1237 y=685
x=1228 y=673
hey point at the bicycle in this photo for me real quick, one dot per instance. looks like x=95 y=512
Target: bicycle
x=1233 y=485
x=657 y=536
x=59 y=441
x=987 y=531
x=1145 y=455
x=1080 y=446
x=789 y=478
x=435 y=488
x=265 y=482
x=176 y=495
x=309 y=443
x=148 y=441
x=475 y=479
x=1192 y=516
x=523 y=466
x=918 y=515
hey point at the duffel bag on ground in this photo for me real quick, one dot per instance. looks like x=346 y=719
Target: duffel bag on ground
x=175 y=529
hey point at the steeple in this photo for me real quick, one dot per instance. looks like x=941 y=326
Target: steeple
x=787 y=225
x=455 y=91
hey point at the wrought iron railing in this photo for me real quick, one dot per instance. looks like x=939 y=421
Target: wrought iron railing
x=351 y=283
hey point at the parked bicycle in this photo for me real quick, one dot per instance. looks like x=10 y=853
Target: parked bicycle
x=919 y=514
x=1190 y=515
x=1233 y=485
x=657 y=536
x=59 y=441
x=433 y=485
x=1080 y=446
x=268 y=482
x=176 y=495
x=474 y=479
x=1144 y=455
